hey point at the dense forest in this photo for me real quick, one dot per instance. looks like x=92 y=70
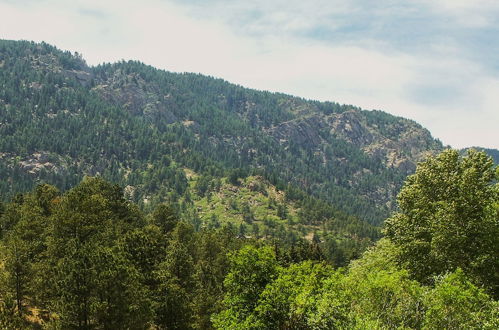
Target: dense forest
x=141 y=127
x=90 y=259
x=136 y=198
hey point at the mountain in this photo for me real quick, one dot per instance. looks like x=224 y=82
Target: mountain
x=180 y=201
x=152 y=131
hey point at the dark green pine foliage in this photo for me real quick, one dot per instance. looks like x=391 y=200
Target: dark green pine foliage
x=89 y=259
x=140 y=127
x=91 y=276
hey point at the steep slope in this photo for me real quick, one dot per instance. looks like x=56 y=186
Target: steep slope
x=257 y=209
x=142 y=127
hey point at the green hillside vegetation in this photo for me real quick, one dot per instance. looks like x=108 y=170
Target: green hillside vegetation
x=254 y=208
x=136 y=198
x=250 y=202
x=140 y=127
x=88 y=258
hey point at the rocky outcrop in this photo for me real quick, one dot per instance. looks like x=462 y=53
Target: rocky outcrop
x=400 y=145
x=83 y=77
x=304 y=132
x=132 y=93
x=351 y=127
x=37 y=162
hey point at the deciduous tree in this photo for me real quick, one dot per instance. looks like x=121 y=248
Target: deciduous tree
x=448 y=218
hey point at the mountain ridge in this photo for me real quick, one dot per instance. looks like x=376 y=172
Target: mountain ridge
x=140 y=127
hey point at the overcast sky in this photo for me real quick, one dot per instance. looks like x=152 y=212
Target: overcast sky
x=434 y=61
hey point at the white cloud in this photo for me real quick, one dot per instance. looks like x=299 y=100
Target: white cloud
x=467 y=13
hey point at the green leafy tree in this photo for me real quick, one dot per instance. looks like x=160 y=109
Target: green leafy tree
x=18 y=267
x=45 y=195
x=146 y=248
x=174 y=276
x=332 y=304
x=287 y=302
x=251 y=269
x=122 y=301
x=24 y=245
x=172 y=295
x=449 y=218
x=73 y=279
x=456 y=303
x=381 y=293
x=10 y=216
x=373 y=293
x=211 y=267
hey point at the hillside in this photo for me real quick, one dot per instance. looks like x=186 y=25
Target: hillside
x=142 y=127
x=90 y=259
x=135 y=198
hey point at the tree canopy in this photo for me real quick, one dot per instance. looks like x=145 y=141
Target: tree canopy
x=449 y=218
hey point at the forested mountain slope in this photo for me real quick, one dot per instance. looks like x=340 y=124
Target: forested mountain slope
x=179 y=201
x=143 y=128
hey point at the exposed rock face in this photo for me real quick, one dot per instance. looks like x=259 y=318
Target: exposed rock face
x=131 y=92
x=396 y=143
x=303 y=131
x=40 y=161
x=401 y=145
x=82 y=76
x=405 y=145
x=350 y=127
x=127 y=90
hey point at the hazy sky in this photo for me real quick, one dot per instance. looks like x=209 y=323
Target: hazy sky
x=434 y=61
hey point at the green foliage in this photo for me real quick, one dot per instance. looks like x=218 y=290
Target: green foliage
x=456 y=303
x=90 y=259
x=98 y=286
x=288 y=301
x=165 y=217
x=145 y=248
x=140 y=127
x=251 y=269
x=250 y=200
x=374 y=293
x=174 y=283
x=332 y=305
x=383 y=294
x=23 y=244
x=94 y=281
x=447 y=219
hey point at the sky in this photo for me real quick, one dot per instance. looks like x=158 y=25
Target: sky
x=433 y=61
